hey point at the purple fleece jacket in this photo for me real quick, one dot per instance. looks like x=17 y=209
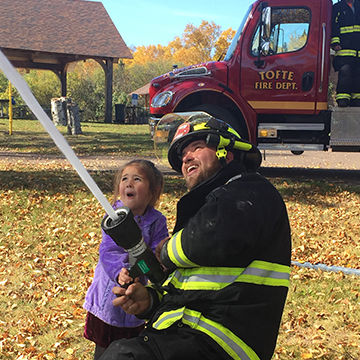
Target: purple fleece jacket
x=99 y=297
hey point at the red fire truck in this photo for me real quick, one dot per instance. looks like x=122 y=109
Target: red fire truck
x=272 y=85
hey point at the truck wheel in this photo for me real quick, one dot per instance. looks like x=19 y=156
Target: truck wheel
x=224 y=115
x=297 y=152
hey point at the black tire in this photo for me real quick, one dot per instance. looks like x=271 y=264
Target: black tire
x=224 y=115
x=297 y=152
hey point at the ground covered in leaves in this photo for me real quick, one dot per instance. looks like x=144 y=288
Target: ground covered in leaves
x=49 y=238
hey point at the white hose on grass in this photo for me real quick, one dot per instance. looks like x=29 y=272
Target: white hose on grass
x=328 y=268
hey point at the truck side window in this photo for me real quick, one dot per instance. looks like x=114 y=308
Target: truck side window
x=289 y=31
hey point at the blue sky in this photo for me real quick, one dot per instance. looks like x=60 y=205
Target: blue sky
x=144 y=22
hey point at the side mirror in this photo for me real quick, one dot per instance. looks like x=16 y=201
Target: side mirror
x=266 y=23
x=265 y=31
x=265 y=49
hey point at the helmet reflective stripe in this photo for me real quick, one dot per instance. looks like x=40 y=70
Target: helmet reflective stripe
x=176 y=253
x=233 y=345
x=201 y=126
x=238 y=145
x=216 y=278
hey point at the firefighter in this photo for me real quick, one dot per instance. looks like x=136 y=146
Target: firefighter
x=228 y=258
x=345 y=40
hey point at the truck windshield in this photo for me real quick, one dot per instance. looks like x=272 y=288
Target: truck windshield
x=232 y=47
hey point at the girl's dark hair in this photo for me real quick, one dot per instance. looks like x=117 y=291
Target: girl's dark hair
x=155 y=177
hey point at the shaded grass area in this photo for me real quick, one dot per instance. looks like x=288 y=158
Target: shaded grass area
x=29 y=136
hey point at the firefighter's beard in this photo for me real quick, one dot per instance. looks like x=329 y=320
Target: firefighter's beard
x=204 y=173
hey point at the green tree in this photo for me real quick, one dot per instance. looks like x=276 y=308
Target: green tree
x=128 y=78
x=86 y=87
x=45 y=85
x=4 y=86
x=121 y=86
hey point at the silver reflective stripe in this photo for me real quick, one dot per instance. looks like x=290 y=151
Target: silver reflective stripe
x=213 y=278
x=234 y=178
x=171 y=317
x=266 y=273
x=217 y=335
x=202 y=278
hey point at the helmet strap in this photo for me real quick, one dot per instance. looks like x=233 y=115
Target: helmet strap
x=219 y=142
x=221 y=153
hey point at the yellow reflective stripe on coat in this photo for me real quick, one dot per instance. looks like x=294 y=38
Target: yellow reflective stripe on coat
x=343 y=96
x=204 y=278
x=166 y=319
x=265 y=273
x=233 y=345
x=217 y=278
x=176 y=253
x=349 y=29
x=335 y=40
x=346 y=52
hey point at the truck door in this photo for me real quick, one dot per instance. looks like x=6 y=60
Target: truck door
x=285 y=80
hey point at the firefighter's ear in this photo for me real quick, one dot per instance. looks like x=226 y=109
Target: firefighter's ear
x=229 y=157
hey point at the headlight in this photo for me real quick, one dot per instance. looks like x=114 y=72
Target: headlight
x=162 y=99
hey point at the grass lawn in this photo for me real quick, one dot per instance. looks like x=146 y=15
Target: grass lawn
x=106 y=139
x=50 y=233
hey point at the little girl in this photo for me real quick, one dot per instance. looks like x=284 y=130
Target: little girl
x=139 y=185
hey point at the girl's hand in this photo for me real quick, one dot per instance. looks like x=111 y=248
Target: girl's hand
x=124 y=277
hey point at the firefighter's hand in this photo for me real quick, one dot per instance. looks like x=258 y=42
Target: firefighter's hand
x=337 y=48
x=134 y=300
x=124 y=277
x=159 y=247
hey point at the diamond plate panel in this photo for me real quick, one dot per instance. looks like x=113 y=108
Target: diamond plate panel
x=345 y=126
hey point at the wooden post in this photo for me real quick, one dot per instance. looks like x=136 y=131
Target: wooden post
x=108 y=90
x=10 y=109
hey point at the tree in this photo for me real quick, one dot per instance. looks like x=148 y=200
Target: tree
x=197 y=44
x=44 y=84
x=223 y=43
x=4 y=86
x=131 y=77
x=151 y=53
x=86 y=87
x=297 y=41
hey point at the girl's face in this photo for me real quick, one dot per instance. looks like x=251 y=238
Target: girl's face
x=134 y=189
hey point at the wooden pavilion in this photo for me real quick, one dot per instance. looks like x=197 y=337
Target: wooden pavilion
x=54 y=35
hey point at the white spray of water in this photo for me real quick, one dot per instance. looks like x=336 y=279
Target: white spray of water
x=16 y=79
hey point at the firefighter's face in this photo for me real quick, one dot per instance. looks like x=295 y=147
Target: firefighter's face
x=199 y=163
